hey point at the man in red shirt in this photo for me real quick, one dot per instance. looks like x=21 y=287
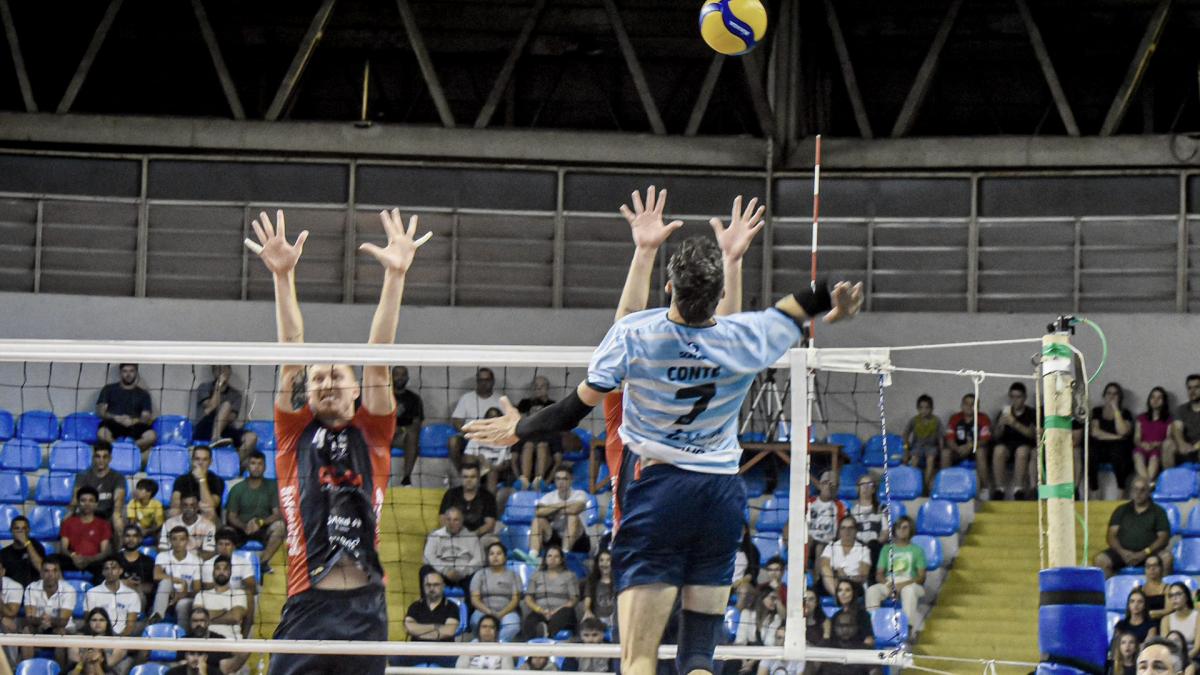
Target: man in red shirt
x=333 y=464
x=86 y=537
x=960 y=444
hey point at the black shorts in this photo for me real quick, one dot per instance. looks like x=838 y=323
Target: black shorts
x=359 y=614
x=134 y=431
x=204 y=427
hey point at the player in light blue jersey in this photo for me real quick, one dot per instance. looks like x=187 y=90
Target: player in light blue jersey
x=686 y=374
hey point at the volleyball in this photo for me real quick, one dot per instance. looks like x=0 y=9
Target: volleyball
x=733 y=27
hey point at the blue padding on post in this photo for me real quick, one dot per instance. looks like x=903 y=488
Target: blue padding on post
x=1058 y=669
x=1062 y=579
x=1073 y=632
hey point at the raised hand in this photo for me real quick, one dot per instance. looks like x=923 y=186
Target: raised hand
x=645 y=220
x=397 y=256
x=735 y=240
x=498 y=431
x=272 y=247
x=847 y=300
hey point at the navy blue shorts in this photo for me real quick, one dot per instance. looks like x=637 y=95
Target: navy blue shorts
x=358 y=614
x=679 y=527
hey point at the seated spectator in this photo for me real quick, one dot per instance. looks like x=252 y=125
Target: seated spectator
x=226 y=604
x=756 y=626
x=960 y=444
x=218 y=405
x=780 y=666
x=1122 y=656
x=542 y=663
x=849 y=604
x=1137 y=621
x=824 y=514
x=85 y=539
x=845 y=558
x=1150 y=431
x=1185 y=428
x=1136 y=530
x=772 y=575
x=217 y=662
x=12 y=594
x=550 y=597
x=472 y=406
x=872 y=521
x=486 y=631
x=900 y=571
x=194 y=663
x=1178 y=652
x=745 y=569
x=591 y=632
x=558 y=517
x=1154 y=588
x=177 y=573
x=494 y=461
x=433 y=618
x=814 y=619
x=1182 y=618
x=1015 y=437
x=924 y=438
x=201 y=531
x=48 y=604
x=144 y=510
x=241 y=575
x=201 y=483
x=496 y=592
x=477 y=505
x=600 y=592
x=22 y=559
x=410 y=414
x=95 y=661
x=453 y=551
x=253 y=509
x=540 y=450
x=137 y=568
x=125 y=411
x=1111 y=438
x=847 y=634
x=109 y=486
x=121 y=604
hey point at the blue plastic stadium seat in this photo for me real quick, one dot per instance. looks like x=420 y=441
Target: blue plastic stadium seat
x=520 y=508
x=955 y=484
x=898 y=510
x=21 y=454
x=173 y=430
x=732 y=617
x=7 y=513
x=1176 y=484
x=558 y=660
x=163 y=630
x=8 y=428
x=585 y=450
x=848 y=480
x=774 y=515
x=38 y=425
x=270 y=473
x=242 y=557
x=515 y=537
x=166 y=484
x=226 y=463
x=45 y=522
x=81 y=588
x=126 y=457
x=938 y=518
x=168 y=459
x=55 y=488
x=753 y=437
x=80 y=426
x=873 y=451
x=577 y=563
x=265 y=430
x=1117 y=589
x=14 y=488
x=72 y=456
x=1184 y=579
x=852 y=447
x=150 y=669
x=1192 y=528
x=905 y=482
x=38 y=667
x=756 y=484
x=1173 y=517
x=435 y=440
x=933 y=550
x=769 y=545
x=890 y=627
x=1187 y=556
x=523 y=570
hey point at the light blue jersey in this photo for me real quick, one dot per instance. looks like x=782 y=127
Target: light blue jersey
x=685 y=385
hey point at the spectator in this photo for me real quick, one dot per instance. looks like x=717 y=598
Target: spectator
x=846 y=634
x=542 y=663
x=537 y=450
x=137 y=568
x=494 y=461
x=226 y=604
x=496 y=592
x=486 y=631
x=200 y=531
x=745 y=569
x=845 y=558
x=872 y=521
x=121 y=604
x=218 y=406
x=1137 y=621
x=85 y=539
x=1150 y=432
x=109 y=485
x=96 y=661
x=11 y=596
x=217 y=662
x=144 y=510
x=1111 y=438
x=253 y=509
x=924 y=438
x=453 y=551
x=177 y=573
x=242 y=575
x=773 y=576
x=551 y=597
x=1161 y=656
x=591 y=632
x=1182 y=618
x=824 y=514
x=780 y=666
x=433 y=618
x=558 y=518
x=201 y=483
x=48 y=604
x=126 y=411
x=194 y=663
x=1123 y=654
x=1185 y=428
x=23 y=557
x=410 y=414
x=472 y=406
x=960 y=444
x=1154 y=588
x=756 y=627
x=1016 y=437
x=901 y=571
x=600 y=591
x=477 y=505
x=814 y=619
x=1136 y=530
x=848 y=604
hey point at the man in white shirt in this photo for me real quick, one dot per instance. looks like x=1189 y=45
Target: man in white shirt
x=558 y=516
x=473 y=405
x=201 y=531
x=49 y=604
x=120 y=602
x=12 y=594
x=226 y=605
x=241 y=576
x=177 y=573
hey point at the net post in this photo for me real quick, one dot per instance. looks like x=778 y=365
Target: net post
x=797 y=525
x=1058 y=385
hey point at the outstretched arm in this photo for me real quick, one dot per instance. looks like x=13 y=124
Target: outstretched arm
x=734 y=241
x=280 y=257
x=396 y=258
x=649 y=233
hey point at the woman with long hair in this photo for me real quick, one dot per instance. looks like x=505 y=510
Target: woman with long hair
x=551 y=597
x=600 y=591
x=1155 y=588
x=814 y=618
x=1137 y=621
x=756 y=627
x=1111 y=437
x=849 y=601
x=1149 y=432
x=488 y=630
x=1122 y=656
x=1178 y=638
x=1182 y=618
x=496 y=592
x=94 y=661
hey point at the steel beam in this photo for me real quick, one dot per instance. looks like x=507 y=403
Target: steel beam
x=1137 y=69
x=510 y=65
x=425 y=63
x=316 y=29
x=707 y=87
x=916 y=96
x=214 y=52
x=89 y=56
x=14 y=47
x=848 y=77
x=782 y=78
x=1048 y=71
x=635 y=68
x=758 y=94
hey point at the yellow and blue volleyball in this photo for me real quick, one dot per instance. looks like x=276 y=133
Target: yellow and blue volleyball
x=733 y=27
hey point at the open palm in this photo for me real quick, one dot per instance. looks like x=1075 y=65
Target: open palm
x=273 y=248
x=744 y=224
x=398 y=255
x=646 y=221
x=847 y=300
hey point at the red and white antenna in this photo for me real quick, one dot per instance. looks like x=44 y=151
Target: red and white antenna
x=816 y=219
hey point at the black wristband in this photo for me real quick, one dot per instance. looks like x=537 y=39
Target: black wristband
x=815 y=301
x=562 y=416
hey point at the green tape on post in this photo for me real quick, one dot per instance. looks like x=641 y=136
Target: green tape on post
x=1056 y=350
x=1059 y=491
x=1057 y=422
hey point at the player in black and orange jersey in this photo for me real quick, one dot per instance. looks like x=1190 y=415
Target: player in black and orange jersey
x=333 y=465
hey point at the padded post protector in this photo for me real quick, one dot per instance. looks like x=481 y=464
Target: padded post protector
x=1071 y=621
